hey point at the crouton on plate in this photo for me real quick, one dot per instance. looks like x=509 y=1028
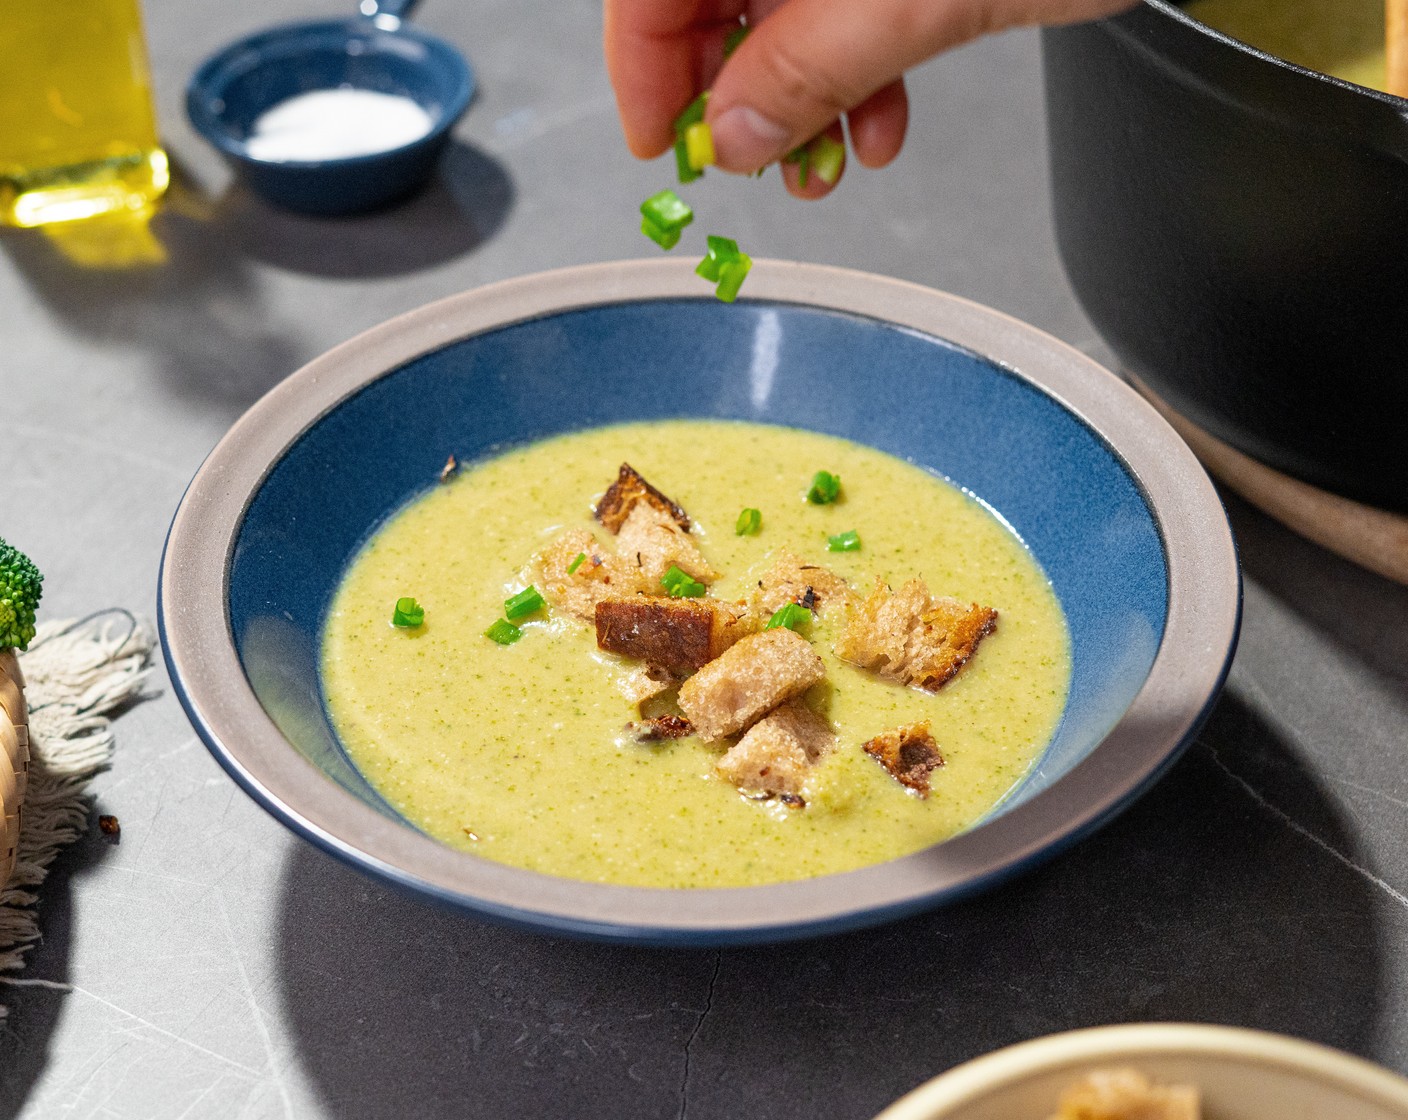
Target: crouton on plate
x=1126 y=1094
x=911 y=636
x=778 y=752
x=908 y=753
x=675 y=635
x=650 y=540
x=749 y=679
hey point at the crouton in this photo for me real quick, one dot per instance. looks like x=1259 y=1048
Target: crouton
x=1126 y=1094
x=659 y=728
x=599 y=575
x=911 y=636
x=908 y=753
x=778 y=752
x=642 y=682
x=749 y=679
x=792 y=580
x=652 y=542
x=626 y=493
x=675 y=635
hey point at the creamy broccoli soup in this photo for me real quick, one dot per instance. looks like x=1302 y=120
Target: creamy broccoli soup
x=521 y=752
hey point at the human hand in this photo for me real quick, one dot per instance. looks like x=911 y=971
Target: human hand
x=804 y=66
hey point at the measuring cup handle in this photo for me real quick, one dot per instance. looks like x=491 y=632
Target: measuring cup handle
x=396 y=9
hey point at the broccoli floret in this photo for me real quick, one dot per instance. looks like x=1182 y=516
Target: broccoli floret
x=20 y=588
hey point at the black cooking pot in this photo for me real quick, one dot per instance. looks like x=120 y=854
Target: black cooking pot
x=1236 y=227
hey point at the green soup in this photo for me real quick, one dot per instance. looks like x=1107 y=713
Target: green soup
x=518 y=752
x=1344 y=38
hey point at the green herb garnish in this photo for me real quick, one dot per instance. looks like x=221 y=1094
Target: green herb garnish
x=749 y=522
x=693 y=114
x=735 y=38
x=802 y=157
x=504 y=632
x=793 y=616
x=663 y=218
x=825 y=489
x=849 y=541
x=576 y=562
x=827 y=156
x=407 y=614
x=726 y=266
x=679 y=584
x=524 y=603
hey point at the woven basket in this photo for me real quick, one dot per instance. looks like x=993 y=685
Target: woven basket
x=14 y=760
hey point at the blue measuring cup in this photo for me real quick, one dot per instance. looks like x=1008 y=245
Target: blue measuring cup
x=376 y=51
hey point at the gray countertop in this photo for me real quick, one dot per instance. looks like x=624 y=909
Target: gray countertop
x=219 y=967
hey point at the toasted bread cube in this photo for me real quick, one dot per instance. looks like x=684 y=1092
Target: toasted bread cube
x=1126 y=1094
x=913 y=637
x=751 y=678
x=626 y=493
x=675 y=635
x=908 y=753
x=642 y=682
x=651 y=543
x=792 y=580
x=778 y=752
x=599 y=576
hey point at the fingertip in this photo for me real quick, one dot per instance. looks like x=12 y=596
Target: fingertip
x=878 y=125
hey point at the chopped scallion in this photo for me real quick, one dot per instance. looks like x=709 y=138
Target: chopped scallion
x=731 y=277
x=793 y=616
x=693 y=114
x=849 y=541
x=726 y=266
x=735 y=38
x=524 y=603
x=504 y=632
x=679 y=584
x=749 y=522
x=667 y=210
x=407 y=614
x=827 y=156
x=825 y=489
x=802 y=157
x=699 y=145
x=665 y=238
x=576 y=562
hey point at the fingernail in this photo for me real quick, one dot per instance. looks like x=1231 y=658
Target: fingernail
x=745 y=140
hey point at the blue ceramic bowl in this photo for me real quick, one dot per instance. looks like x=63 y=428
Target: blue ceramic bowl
x=1111 y=503
x=231 y=89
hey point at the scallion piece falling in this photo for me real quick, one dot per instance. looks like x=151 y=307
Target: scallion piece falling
x=407 y=614
x=524 y=603
x=849 y=541
x=504 y=632
x=748 y=523
x=679 y=584
x=663 y=218
x=576 y=562
x=725 y=266
x=825 y=489
x=793 y=616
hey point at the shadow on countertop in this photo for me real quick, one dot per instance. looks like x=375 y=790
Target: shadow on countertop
x=183 y=285
x=1202 y=902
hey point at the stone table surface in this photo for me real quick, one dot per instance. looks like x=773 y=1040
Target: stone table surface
x=212 y=965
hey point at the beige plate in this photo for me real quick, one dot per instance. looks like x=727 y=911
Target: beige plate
x=1242 y=1074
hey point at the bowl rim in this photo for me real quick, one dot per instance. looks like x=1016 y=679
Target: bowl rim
x=1131 y=1042
x=1191 y=663
x=201 y=90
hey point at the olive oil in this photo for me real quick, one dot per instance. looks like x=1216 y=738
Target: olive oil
x=77 y=129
